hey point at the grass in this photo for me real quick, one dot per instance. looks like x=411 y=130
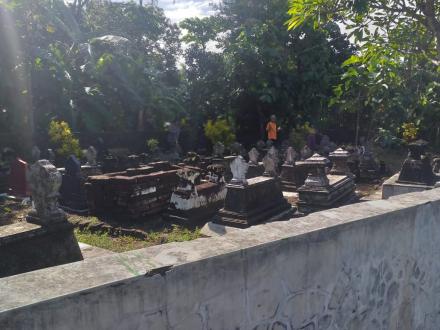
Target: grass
x=128 y=243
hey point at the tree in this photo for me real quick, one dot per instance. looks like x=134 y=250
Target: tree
x=393 y=78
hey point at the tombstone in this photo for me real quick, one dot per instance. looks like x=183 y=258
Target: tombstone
x=47 y=238
x=194 y=202
x=72 y=193
x=91 y=155
x=17 y=180
x=219 y=149
x=36 y=153
x=368 y=167
x=306 y=152
x=261 y=146
x=51 y=156
x=249 y=202
x=340 y=162
x=288 y=171
x=236 y=149
x=255 y=168
x=321 y=191
x=417 y=173
x=270 y=163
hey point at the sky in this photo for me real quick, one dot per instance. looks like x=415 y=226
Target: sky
x=178 y=10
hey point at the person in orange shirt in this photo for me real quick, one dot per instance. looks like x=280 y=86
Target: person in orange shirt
x=272 y=129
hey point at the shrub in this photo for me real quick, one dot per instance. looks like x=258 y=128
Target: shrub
x=298 y=135
x=152 y=145
x=219 y=131
x=61 y=136
x=409 y=132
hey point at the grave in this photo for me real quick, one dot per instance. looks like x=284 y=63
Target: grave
x=17 y=180
x=249 y=202
x=288 y=171
x=339 y=158
x=47 y=238
x=321 y=191
x=72 y=192
x=416 y=174
x=194 y=201
x=368 y=167
x=255 y=167
x=135 y=192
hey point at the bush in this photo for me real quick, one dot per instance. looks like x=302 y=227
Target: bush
x=219 y=131
x=152 y=145
x=298 y=136
x=409 y=132
x=64 y=143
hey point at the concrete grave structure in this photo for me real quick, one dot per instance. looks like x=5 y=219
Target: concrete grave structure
x=255 y=167
x=252 y=201
x=47 y=238
x=417 y=173
x=194 y=202
x=134 y=192
x=320 y=191
x=372 y=265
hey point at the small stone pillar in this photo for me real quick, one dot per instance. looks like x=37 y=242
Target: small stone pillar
x=91 y=154
x=270 y=163
x=288 y=175
x=255 y=168
x=239 y=168
x=339 y=157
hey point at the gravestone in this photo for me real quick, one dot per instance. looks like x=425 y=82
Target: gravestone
x=249 y=202
x=340 y=162
x=72 y=193
x=237 y=149
x=219 y=149
x=91 y=155
x=47 y=238
x=321 y=191
x=255 y=168
x=368 y=167
x=194 y=202
x=270 y=163
x=51 y=157
x=36 y=153
x=306 y=152
x=17 y=180
x=288 y=171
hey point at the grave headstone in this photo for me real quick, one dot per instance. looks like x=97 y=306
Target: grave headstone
x=255 y=168
x=91 y=155
x=340 y=162
x=219 y=149
x=45 y=182
x=17 y=180
x=239 y=169
x=270 y=163
x=416 y=168
x=51 y=156
x=306 y=152
x=36 y=153
x=288 y=171
x=72 y=193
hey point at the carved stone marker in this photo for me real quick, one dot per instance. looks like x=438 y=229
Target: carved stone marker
x=51 y=156
x=72 y=193
x=91 y=154
x=17 y=178
x=288 y=171
x=306 y=152
x=239 y=168
x=340 y=162
x=218 y=149
x=236 y=149
x=320 y=191
x=45 y=182
x=270 y=162
x=255 y=168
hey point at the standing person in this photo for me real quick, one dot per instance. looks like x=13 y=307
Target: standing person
x=272 y=129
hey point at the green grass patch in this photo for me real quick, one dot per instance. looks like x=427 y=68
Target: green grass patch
x=128 y=243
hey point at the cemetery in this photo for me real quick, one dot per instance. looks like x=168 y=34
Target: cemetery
x=227 y=164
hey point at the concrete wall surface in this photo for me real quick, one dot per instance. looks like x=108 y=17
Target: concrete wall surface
x=373 y=265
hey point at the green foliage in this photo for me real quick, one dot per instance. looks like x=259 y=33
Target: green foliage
x=152 y=145
x=219 y=131
x=409 y=132
x=394 y=77
x=62 y=139
x=298 y=135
